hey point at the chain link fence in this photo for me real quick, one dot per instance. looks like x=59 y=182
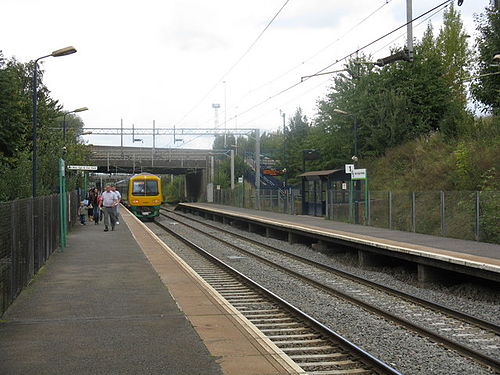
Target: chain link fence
x=273 y=200
x=29 y=234
x=468 y=215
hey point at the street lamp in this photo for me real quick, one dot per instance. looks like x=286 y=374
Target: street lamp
x=58 y=53
x=309 y=154
x=64 y=119
x=354 y=129
x=284 y=145
x=354 y=159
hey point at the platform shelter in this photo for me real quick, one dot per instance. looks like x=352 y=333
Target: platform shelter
x=315 y=187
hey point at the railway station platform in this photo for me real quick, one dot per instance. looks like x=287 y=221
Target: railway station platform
x=119 y=302
x=431 y=254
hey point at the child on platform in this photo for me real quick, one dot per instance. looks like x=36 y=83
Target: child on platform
x=82 y=211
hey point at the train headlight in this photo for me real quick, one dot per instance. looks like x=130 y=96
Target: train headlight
x=156 y=201
x=135 y=201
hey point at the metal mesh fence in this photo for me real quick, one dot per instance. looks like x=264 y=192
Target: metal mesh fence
x=29 y=234
x=273 y=200
x=468 y=215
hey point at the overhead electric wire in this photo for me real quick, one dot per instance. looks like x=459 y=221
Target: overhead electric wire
x=418 y=24
x=235 y=64
x=339 y=60
x=380 y=38
x=317 y=52
x=288 y=101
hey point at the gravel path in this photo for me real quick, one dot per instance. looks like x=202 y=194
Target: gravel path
x=399 y=347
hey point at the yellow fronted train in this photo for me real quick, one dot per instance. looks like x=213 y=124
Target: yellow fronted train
x=142 y=195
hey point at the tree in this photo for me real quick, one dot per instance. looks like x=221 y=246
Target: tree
x=296 y=133
x=457 y=58
x=14 y=101
x=16 y=136
x=486 y=89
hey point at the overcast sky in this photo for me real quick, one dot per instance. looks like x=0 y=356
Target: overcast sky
x=166 y=60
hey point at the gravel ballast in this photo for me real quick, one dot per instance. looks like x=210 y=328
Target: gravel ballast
x=397 y=346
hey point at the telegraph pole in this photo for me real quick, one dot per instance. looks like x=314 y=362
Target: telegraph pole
x=153 y=150
x=409 y=28
x=121 y=138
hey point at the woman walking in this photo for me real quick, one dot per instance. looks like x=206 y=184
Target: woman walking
x=96 y=203
x=90 y=205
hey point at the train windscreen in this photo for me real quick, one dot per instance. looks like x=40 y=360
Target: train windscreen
x=145 y=187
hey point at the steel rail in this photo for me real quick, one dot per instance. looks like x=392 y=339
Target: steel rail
x=366 y=357
x=487 y=325
x=462 y=349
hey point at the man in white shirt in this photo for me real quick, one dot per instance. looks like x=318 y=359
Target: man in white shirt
x=119 y=196
x=109 y=202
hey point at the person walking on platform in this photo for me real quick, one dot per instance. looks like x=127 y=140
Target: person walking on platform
x=90 y=207
x=99 y=204
x=113 y=189
x=109 y=201
x=96 y=204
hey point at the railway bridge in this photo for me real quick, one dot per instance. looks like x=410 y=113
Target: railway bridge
x=193 y=163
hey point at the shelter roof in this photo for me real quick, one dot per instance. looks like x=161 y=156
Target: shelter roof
x=319 y=173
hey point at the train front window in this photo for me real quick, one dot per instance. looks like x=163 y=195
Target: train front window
x=145 y=187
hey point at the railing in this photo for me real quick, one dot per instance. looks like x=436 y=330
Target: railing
x=275 y=200
x=29 y=234
x=469 y=215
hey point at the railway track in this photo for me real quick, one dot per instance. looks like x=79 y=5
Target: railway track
x=315 y=348
x=468 y=335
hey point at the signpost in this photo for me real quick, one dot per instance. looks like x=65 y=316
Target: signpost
x=356 y=175
x=349 y=168
x=62 y=204
x=83 y=167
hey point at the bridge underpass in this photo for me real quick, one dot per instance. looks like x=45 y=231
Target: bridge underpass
x=118 y=162
x=195 y=164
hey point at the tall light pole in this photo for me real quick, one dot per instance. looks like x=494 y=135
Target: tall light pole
x=225 y=113
x=284 y=147
x=354 y=129
x=60 y=52
x=354 y=159
x=64 y=120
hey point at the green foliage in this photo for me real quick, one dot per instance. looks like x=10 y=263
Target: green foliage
x=223 y=170
x=16 y=134
x=296 y=136
x=434 y=162
x=173 y=189
x=486 y=89
x=14 y=114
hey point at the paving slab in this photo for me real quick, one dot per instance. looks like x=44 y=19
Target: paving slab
x=100 y=308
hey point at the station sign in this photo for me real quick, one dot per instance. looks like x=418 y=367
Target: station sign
x=358 y=174
x=83 y=167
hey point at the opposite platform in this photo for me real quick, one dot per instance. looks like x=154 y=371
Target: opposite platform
x=484 y=257
x=100 y=308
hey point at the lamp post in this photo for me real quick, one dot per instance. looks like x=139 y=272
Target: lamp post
x=284 y=146
x=354 y=129
x=58 y=53
x=354 y=158
x=64 y=120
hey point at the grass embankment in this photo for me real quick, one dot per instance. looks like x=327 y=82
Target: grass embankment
x=459 y=167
